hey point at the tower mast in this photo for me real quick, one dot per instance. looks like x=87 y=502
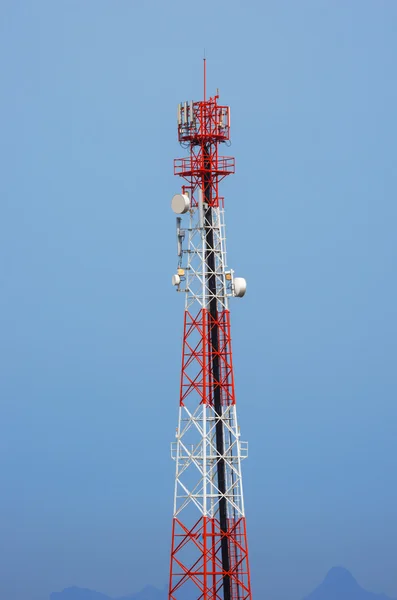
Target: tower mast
x=209 y=554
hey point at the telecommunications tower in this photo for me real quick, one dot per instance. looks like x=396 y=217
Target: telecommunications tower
x=209 y=551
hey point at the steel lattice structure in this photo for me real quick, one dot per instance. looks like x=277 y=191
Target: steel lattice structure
x=209 y=553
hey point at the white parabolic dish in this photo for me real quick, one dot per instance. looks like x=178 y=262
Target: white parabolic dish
x=240 y=287
x=180 y=203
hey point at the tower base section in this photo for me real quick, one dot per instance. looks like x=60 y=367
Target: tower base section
x=196 y=561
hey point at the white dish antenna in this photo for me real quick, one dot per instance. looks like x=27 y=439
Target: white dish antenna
x=180 y=204
x=240 y=287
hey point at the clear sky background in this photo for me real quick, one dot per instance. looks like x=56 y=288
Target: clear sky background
x=90 y=326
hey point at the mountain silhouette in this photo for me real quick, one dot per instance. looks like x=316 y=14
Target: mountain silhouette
x=74 y=593
x=148 y=593
x=339 y=584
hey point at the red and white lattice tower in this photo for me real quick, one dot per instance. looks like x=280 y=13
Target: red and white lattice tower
x=209 y=553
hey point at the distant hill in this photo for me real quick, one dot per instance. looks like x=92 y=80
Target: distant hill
x=339 y=584
x=74 y=593
x=148 y=593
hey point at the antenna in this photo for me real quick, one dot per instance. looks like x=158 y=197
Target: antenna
x=179 y=236
x=205 y=77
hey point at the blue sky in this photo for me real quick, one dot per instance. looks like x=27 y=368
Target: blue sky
x=91 y=327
